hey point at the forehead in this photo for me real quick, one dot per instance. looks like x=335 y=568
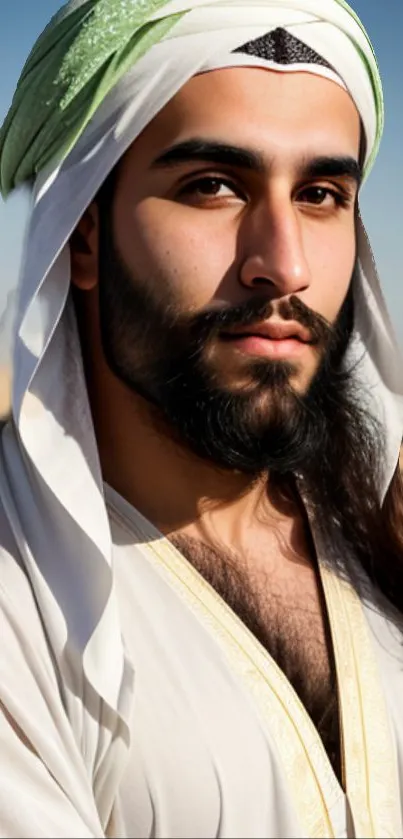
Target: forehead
x=282 y=114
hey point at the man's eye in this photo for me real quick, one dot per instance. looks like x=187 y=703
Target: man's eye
x=322 y=196
x=209 y=187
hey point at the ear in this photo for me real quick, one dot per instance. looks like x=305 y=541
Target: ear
x=84 y=250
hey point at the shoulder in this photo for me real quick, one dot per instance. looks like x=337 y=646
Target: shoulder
x=29 y=682
x=30 y=691
x=20 y=619
x=47 y=788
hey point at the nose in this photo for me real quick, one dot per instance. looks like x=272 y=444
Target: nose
x=272 y=248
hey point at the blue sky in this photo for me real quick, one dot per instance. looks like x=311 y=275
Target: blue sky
x=381 y=198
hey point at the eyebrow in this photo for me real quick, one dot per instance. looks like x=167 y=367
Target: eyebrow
x=333 y=167
x=210 y=151
x=224 y=154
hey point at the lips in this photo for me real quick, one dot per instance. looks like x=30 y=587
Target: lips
x=272 y=331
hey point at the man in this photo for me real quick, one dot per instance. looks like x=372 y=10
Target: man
x=202 y=569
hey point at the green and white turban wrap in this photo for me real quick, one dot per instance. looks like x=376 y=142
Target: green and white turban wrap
x=97 y=76
x=91 y=45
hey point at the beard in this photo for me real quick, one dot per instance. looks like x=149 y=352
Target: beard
x=169 y=359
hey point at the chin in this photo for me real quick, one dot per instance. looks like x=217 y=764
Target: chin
x=301 y=379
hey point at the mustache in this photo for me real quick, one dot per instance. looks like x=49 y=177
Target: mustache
x=207 y=325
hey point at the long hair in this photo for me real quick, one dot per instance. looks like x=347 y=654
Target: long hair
x=344 y=489
x=375 y=531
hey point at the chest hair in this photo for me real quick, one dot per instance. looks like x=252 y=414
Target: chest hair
x=294 y=633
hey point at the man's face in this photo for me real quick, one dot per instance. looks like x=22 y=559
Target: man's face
x=233 y=221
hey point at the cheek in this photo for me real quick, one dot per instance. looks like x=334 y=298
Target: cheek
x=332 y=259
x=181 y=251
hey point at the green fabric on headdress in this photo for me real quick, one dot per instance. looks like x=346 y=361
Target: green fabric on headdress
x=83 y=52
x=81 y=55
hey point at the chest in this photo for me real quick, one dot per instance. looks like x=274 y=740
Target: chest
x=282 y=604
x=291 y=623
x=204 y=757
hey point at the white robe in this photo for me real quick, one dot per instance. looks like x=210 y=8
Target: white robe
x=206 y=757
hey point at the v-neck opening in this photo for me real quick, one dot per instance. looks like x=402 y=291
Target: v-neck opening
x=370 y=778
x=127 y=521
x=152 y=538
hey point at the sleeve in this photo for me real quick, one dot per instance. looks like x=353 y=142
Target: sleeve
x=46 y=786
x=32 y=803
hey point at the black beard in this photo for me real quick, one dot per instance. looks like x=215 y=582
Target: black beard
x=164 y=357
